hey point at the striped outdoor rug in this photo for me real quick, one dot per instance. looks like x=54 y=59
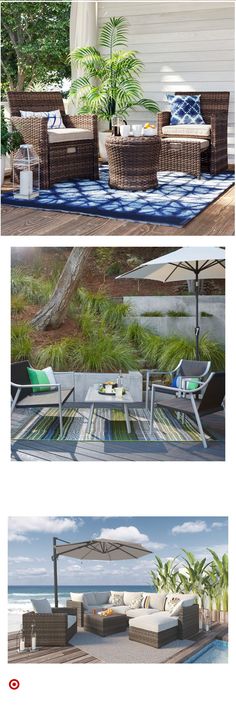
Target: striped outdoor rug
x=109 y=424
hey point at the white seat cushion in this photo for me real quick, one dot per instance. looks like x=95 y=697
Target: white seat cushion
x=140 y=612
x=203 y=130
x=103 y=606
x=61 y=135
x=41 y=606
x=120 y=609
x=157 y=622
x=204 y=144
x=71 y=619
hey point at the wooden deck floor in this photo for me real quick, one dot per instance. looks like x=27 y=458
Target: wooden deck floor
x=216 y=220
x=72 y=451
x=48 y=655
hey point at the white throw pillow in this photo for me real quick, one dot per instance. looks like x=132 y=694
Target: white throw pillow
x=171 y=601
x=134 y=604
x=157 y=600
x=54 y=117
x=78 y=597
x=51 y=376
x=130 y=596
x=41 y=606
x=116 y=598
x=145 y=602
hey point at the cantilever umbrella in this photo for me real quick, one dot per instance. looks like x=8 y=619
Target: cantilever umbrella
x=184 y=264
x=96 y=549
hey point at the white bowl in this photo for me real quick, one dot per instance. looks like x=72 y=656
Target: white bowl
x=149 y=131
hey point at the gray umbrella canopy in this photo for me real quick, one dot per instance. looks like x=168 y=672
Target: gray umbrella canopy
x=97 y=549
x=188 y=263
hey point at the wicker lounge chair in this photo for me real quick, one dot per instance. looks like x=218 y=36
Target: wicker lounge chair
x=23 y=396
x=187 y=368
x=52 y=630
x=61 y=156
x=212 y=391
x=214 y=109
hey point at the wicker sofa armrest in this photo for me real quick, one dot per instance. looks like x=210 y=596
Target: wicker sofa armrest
x=33 y=131
x=51 y=629
x=163 y=118
x=79 y=608
x=218 y=124
x=188 y=621
x=63 y=611
x=86 y=121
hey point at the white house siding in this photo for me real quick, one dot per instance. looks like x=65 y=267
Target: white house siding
x=185 y=46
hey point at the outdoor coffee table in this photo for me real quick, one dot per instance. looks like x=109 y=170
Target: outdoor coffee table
x=105 y=625
x=133 y=162
x=98 y=400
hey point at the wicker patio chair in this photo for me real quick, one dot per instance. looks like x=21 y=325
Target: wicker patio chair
x=212 y=401
x=187 y=368
x=65 y=157
x=23 y=396
x=214 y=109
x=52 y=630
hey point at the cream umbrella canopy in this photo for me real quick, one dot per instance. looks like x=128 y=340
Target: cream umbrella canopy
x=83 y=32
x=96 y=549
x=196 y=263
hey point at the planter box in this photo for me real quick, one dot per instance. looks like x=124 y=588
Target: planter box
x=133 y=381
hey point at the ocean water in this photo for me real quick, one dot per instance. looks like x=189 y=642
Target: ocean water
x=19 y=596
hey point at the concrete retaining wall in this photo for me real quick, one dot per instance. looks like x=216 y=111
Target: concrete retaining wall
x=184 y=326
x=83 y=380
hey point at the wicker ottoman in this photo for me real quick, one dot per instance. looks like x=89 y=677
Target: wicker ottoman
x=154 y=630
x=133 y=162
x=180 y=155
x=105 y=625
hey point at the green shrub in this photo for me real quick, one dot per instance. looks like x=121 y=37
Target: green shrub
x=35 y=290
x=57 y=355
x=178 y=313
x=18 y=304
x=21 y=345
x=114 y=269
x=154 y=313
x=206 y=314
x=104 y=353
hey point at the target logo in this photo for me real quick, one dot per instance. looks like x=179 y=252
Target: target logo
x=14 y=684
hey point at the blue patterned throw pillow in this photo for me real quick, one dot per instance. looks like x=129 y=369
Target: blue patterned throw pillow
x=54 y=117
x=185 y=109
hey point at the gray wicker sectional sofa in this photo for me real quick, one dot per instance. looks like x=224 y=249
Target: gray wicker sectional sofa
x=154 y=618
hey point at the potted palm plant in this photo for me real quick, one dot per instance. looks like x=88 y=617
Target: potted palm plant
x=110 y=83
x=9 y=142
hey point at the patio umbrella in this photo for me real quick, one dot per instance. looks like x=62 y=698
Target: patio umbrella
x=96 y=549
x=184 y=264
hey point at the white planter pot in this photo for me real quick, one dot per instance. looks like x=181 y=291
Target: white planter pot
x=3 y=162
x=102 y=137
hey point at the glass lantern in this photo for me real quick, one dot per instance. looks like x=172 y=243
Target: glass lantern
x=115 y=125
x=26 y=173
x=21 y=640
x=33 y=637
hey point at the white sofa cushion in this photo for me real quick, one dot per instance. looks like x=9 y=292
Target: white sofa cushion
x=88 y=598
x=140 y=612
x=131 y=596
x=157 y=622
x=102 y=597
x=157 y=600
x=120 y=609
x=71 y=619
x=62 y=135
x=116 y=598
x=203 y=130
x=89 y=609
x=204 y=144
x=176 y=600
x=41 y=606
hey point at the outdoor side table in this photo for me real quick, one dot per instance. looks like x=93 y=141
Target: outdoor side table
x=98 y=400
x=105 y=625
x=180 y=155
x=133 y=162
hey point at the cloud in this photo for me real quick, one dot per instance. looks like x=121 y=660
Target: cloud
x=153 y=546
x=218 y=524
x=25 y=572
x=124 y=533
x=19 y=526
x=190 y=527
x=19 y=559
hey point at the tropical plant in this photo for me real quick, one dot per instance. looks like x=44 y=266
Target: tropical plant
x=110 y=84
x=221 y=569
x=21 y=344
x=194 y=573
x=9 y=140
x=166 y=575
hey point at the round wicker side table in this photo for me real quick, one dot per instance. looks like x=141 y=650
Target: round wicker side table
x=133 y=162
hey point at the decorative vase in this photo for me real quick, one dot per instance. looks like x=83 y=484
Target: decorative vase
x=102 y=137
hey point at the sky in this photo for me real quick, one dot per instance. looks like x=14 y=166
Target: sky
x=30 y=546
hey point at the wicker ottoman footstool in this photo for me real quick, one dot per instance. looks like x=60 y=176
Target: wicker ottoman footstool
x=133 y=162
x=180 y=155
x=155 y=630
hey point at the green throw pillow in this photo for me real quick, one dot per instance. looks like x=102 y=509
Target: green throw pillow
x=38 y=377
x=192 y=384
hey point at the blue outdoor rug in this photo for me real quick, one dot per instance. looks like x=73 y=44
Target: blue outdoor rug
x=178 y=198
x=109 y=425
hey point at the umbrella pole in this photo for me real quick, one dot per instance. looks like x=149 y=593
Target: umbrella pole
x=54 y=558
x=197 y=327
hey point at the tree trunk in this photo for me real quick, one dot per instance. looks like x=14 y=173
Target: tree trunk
x=54 y=312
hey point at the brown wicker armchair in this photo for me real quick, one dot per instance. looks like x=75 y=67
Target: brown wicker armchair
x=214 y=108
x=69 y=159
x=52 y=630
